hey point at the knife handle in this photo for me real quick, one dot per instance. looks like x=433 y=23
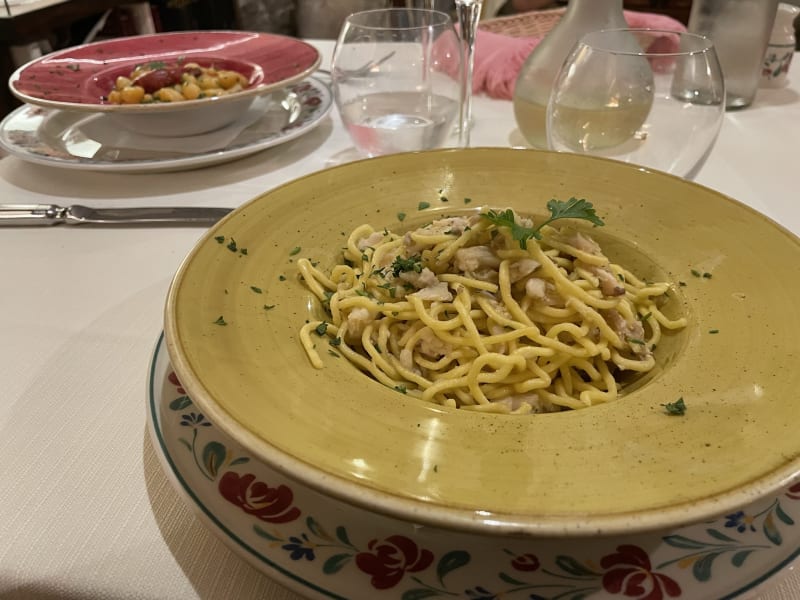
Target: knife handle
x=30 y=214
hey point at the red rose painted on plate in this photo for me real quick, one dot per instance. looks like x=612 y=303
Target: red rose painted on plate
x=794 y=492
x=390 y=559
x=270 y=504
x=173 y=379
x=629 y=572
x=525 y=562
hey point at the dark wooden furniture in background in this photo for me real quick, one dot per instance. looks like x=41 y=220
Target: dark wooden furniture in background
x=33 y=22
x=678 y=9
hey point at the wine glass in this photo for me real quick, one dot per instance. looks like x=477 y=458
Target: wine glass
x=397 y=79
x=469 y=12
x=649 y=97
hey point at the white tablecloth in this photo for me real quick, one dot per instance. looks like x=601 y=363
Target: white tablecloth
x=85 y=510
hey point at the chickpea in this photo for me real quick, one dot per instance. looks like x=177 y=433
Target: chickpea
x=211 y=92
x=191 y=91
x=114 y=97
x=132 y=94
x=168 y=95
x=122 y=82
x=227 y=79
x=208 y=82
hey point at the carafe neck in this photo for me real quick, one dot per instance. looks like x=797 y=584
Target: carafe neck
x=603 y=13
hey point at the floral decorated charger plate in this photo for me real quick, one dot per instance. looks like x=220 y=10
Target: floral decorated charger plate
x=324 y=548
x=74 y=140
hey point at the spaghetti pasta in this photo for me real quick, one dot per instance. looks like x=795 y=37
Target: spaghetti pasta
x=461 y=313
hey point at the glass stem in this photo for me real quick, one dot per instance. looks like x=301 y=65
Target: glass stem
x=469 y=11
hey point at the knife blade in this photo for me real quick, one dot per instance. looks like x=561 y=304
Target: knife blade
x=77 y=214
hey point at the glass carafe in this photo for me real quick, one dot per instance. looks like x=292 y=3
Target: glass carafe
x=539 y=71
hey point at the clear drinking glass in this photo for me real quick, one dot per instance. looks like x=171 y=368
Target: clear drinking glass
x=469 y=13
x=653 y=98
x=396 y=77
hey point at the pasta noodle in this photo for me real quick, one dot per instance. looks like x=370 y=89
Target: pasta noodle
x=460 y=313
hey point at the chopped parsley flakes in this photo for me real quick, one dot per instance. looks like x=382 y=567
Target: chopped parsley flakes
x=677 y=408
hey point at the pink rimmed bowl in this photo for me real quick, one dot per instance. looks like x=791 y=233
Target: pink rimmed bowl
x=80 y=78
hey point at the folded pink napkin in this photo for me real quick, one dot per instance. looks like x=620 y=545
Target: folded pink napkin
x=499 y=58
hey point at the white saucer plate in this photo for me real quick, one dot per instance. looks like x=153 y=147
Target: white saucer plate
x=74 y=140
x=323 y=548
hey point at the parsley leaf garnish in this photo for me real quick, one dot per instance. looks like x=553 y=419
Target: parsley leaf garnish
x=220 y=321
x=403 y=265
x=571 y=209
x=423 y=205
x=321 y=328
x=676 y=408
x=256 y=289
x=295 y=250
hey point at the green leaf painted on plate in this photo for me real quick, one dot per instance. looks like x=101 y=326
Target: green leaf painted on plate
x=341 y=535
x=719 y=535
x=185 y=443
x=771 y=531
x=451 y=561
x=317 y=529
x=265 y=534
x=335 y=563
x=573 y=567
x=214 y=455
x=180 y=403
x=701 y=569
x=679 y=541
x=783 y=516
x=240 y=461
x=737 y=560
x=509 y=579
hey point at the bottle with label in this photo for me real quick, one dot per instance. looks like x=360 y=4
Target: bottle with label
x=535 y=79
x=781 y=47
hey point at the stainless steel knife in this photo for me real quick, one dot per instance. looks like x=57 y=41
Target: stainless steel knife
x=52 y=214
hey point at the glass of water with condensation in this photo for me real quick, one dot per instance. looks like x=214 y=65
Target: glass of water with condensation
x=397 y=78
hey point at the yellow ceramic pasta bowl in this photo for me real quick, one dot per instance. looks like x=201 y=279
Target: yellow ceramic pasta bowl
x=236 y=307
